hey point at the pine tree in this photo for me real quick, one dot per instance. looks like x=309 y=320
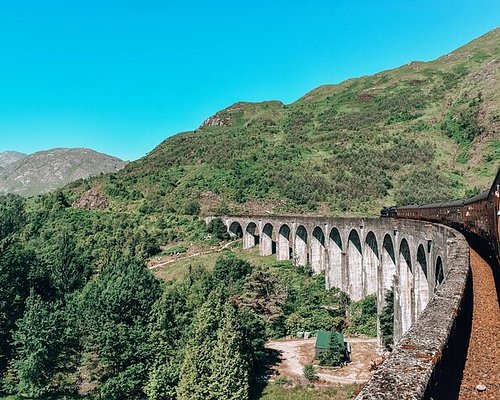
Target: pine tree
x=387 y=320
x=229 y=371
x=40 y=340
x=196 y=368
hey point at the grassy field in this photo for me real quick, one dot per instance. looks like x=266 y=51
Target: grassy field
x=179 y=268
x=281 y=392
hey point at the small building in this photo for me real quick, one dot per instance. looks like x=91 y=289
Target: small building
x=323 y=340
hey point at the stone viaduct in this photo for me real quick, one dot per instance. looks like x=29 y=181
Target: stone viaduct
x=426 y=265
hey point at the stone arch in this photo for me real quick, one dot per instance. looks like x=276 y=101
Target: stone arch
x=388 y=264
x=267 y=244
x=405 y=287
x=421 y=283
x=235 y=229
x=251 y=236
x=370 y=264
x=355 y=266
x=284 y=247
x=335 y=259
x=301 y=242
x=439 y=272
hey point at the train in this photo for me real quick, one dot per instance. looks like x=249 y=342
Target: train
x=479 y=215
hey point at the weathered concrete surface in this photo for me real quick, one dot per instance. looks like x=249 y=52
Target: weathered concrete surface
x=426 y=363
x=428 y=266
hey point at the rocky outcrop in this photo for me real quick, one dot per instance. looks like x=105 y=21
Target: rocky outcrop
x=93 y=199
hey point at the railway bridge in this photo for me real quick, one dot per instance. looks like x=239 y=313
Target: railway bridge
x=427 y=266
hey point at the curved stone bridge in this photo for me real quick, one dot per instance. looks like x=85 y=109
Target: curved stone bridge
x=426 y=264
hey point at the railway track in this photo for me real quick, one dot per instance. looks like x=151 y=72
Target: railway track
x=481 y=377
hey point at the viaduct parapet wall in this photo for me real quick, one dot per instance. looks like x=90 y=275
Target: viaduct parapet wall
x=427 y=265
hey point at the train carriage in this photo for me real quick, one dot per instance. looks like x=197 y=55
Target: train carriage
x=479 y=214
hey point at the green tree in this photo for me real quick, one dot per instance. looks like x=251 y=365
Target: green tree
x=334 y=355
x=229 y=269
x=217 y=228
x=171 y=317
x=196 y=368
x=229 y=370
x=68 y=269
x=14 y=289
x=363 y=315
x=387 y=320
x=12 y=215
x=41 y=342
x=115 y=310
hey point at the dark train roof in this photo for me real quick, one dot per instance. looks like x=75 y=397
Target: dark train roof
x=433 y=205
x=458 y=203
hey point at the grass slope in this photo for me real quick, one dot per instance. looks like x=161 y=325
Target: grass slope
x=426 y=131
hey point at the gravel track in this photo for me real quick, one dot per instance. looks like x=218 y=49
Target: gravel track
x=483 y=356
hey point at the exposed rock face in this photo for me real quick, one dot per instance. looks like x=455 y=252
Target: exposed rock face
x=49 y=170
x=93 y=199
x=224 y=117
x=9 y=157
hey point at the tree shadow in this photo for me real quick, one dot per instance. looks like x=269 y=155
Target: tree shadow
x=259 y=383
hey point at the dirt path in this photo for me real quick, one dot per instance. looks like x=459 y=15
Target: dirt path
x=156 y=263
x=296 y=353
x=483 y=356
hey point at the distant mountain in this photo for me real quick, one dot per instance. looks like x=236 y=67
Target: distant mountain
x=44 y=171
x=9 y=157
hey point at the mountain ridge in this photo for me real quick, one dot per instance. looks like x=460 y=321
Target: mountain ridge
x=342 y=149
x=47 y=170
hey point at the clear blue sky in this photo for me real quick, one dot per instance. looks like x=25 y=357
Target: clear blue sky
x=121 y=76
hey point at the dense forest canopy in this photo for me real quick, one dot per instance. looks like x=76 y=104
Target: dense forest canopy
x=82 y=315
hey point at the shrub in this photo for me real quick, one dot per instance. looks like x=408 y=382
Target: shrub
x=310 y=373
x=217 y=228
x=192 y=208
x=334 y=355
x=364 y=316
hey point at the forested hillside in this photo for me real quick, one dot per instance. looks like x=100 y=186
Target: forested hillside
x=423 y=132
x=82 y=317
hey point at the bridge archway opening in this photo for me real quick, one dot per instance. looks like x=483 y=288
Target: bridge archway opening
x=370 y=264
x=405 y=287
x=284 y=250
x=268 y=244
x=251 y=236
x=235 y=230
x=388 y=264
x=318 y=250
x=334 y=273
x=421 y=283
x=439 y=274
x=355 y=266
x=301 y=256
